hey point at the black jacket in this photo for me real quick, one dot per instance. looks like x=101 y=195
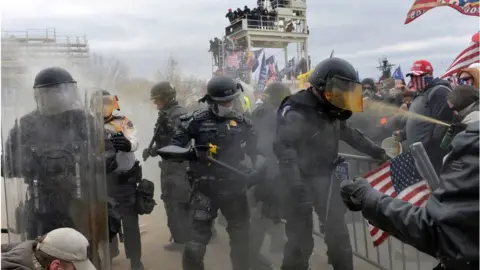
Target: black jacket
x=306 y=142
x=172 y=173
x=272 y=189
x=234 y=136
x=448 y=226
x=433 y=105
x=264 y=119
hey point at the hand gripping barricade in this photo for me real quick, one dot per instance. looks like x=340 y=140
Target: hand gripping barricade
x=393 y=254
x=53 y=165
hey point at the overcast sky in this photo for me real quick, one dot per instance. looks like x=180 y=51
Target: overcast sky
x=144 y=33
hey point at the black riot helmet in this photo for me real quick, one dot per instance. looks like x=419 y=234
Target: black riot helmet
x=276 y=92
x=56 y=91
x=221 y=89
x=336 y=81
x=330 y=68
x=52 y=76
x=164 y=91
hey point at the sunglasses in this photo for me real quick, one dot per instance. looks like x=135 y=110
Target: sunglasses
x=466 y=80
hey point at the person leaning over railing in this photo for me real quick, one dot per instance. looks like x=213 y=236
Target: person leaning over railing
x=447 y=227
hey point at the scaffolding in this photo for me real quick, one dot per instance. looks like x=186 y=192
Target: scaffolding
x=287 y=27
x=23 y=48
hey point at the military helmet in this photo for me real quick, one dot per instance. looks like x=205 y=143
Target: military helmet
x=52 y=76
x=163 y=89
x=329 y=68
x=221 y=89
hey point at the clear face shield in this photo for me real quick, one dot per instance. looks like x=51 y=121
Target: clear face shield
x=344 y=94
x=58 y=98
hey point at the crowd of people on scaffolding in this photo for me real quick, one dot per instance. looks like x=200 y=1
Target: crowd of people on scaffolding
x=258 y=17
x=223 y=46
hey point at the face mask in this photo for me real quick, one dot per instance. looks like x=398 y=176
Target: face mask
x=221 y=110
x=421 y=82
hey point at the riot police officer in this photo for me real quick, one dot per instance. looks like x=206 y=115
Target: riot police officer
x=215 y=187
x=122 y=182
x=175 y=189
x=310 y=124
x=55 y=149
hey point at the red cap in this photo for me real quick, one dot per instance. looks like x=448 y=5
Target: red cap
x=420 y=67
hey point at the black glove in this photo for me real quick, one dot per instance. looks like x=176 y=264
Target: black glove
x=456 y=128
x=121 y=143
x=355 y=192
x=145 y=154
x=383 y=158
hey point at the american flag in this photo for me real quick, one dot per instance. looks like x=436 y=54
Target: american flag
x=398 y=178
x=467 y=57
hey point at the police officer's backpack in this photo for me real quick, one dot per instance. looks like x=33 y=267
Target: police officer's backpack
x=144 y=202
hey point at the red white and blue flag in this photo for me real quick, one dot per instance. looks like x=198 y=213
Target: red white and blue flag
x=419 y=7
x=467 y=57
x=400 y=179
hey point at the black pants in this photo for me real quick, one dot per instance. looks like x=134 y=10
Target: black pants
x=177 y=219
x=299 y=228
x=125 y=195
x=203 y=212
x=132 y=239
x=175 y=200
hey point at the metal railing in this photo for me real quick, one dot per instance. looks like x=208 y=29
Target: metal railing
x=392 y=254
x=271 y=23
x=286 y=3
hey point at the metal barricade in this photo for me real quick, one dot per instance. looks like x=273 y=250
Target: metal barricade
x=392 y=254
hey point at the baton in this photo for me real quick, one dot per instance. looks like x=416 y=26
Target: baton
x=226 y=166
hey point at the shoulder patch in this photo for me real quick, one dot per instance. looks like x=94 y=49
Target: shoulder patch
x=285 y=110
x=129 y=123
x=201 y=114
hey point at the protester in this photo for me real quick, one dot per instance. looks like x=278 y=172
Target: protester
x=470 y=76
x=464 y=103
x=431 y=101
x=230 y=16
x=258 y=17
x=62 y=249
x=215 y=49
x=447 y=227
x=369 y=88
